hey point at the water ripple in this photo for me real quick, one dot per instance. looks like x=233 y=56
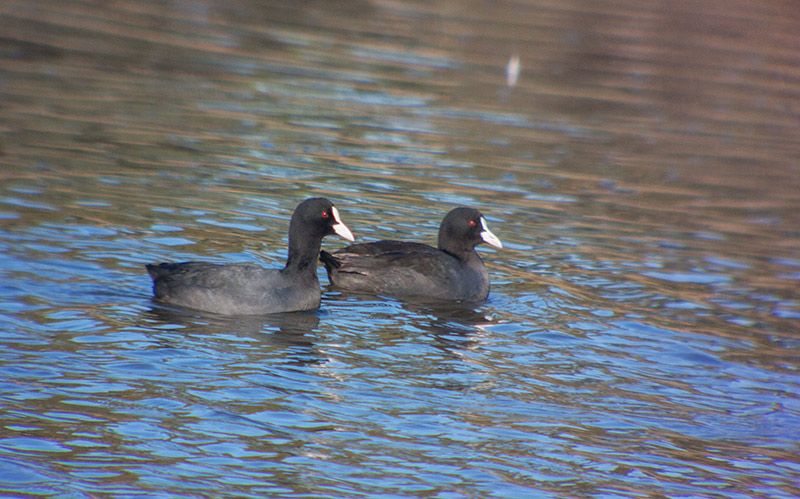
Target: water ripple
x=640 y=336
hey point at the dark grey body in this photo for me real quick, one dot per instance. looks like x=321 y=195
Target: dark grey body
x=407 y=270
x=234 y=289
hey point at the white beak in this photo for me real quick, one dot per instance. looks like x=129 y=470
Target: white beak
x=341 y=228
x=487 y=235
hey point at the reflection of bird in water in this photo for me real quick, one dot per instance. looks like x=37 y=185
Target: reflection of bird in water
x=453 y=324
x=276 y=330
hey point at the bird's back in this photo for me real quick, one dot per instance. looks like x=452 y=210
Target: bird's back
x=403 y=269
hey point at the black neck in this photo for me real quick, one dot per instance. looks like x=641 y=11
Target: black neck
x=465 y=253
x=302 y=258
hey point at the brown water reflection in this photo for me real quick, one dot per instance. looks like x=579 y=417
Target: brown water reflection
x=641 y=335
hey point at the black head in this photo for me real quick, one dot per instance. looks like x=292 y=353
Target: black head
x=464 y=228
x=317 y=218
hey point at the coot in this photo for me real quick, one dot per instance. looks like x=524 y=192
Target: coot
x=246 y=288
x=454 y=271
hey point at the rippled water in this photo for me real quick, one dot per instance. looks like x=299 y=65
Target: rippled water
x=641 y=338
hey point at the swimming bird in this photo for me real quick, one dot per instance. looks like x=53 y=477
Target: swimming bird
x=453 y=271
x=247 y=288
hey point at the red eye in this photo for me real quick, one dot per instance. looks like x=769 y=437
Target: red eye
x=472 y=223
x=325 y=214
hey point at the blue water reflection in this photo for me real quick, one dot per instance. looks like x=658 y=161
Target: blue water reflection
x=640 y=338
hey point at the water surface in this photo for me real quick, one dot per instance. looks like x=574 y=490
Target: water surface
x=641 y=337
